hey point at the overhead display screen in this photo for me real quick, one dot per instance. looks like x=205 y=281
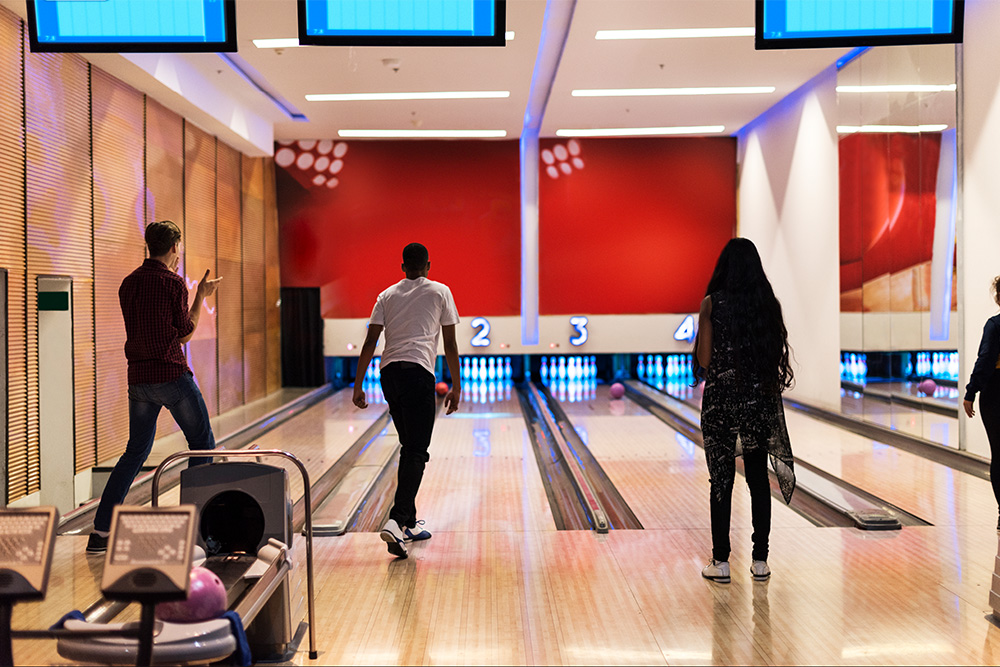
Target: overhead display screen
x=402 y=22
x=789 y=24
x=102 y=26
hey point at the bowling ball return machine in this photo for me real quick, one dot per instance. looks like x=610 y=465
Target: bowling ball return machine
x=244 y=533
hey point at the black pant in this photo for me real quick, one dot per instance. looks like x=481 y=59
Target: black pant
x=409 y=391
x=755 y=469
x=989 y=408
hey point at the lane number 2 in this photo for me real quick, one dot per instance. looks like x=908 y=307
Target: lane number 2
x=482 y=337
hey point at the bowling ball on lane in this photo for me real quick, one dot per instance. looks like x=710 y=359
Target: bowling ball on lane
x=617 y=390
x=441 y=388
x=206 y=599
x=927 y=387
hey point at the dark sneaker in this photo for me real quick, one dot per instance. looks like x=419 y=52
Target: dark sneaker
x=393 y=537
x=417 y=533
x=97 y=544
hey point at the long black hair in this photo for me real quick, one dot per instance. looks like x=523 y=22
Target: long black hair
x=760 y=338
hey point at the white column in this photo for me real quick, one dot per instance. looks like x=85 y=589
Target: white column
x=979 y=221
x=55 y=391
x=788 y=203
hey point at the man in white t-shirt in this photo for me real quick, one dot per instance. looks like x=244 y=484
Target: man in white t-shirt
x=413 y=313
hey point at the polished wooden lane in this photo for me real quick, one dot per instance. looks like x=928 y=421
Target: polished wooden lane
x=661 y=474
x=482 y=474
x=318 y=437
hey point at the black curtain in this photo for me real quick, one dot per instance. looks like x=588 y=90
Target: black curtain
x=301 y=338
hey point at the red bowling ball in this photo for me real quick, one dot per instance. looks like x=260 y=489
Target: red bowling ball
x=617 y=390
x=441 y=388
x=206 y=600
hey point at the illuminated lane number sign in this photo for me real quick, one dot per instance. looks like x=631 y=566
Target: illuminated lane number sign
x=686 y=330
x=482 y=336
x=579 y=324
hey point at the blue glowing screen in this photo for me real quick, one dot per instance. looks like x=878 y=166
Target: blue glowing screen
x=118 y=22
x=400 y=18
x=855 y=19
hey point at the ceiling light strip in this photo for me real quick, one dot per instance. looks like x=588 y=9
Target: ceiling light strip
x=900 y=88
x=422 y=134
x=652 y=92
x=379 y=97
x=675 y=33
x=641 y=131
x=277 y=43
x=851 y=129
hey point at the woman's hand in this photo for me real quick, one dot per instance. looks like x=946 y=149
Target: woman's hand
x=969 y=409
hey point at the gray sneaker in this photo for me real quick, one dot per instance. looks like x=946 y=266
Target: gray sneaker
x=760 y=570
x=717 y=571
x=393 y=537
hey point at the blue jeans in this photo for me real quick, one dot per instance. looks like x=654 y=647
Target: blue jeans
x=183 y=398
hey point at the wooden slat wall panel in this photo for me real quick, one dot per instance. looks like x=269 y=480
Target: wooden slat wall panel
x=12 y=250
x=254 y=323
x=230 y=294
x=60 y=227
x=200 y=254
x=272 y=279
x=119 y=187
x=165 y=186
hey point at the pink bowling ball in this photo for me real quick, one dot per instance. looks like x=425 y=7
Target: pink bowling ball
x=617 y=390
x=927 y=387
x=206 y=600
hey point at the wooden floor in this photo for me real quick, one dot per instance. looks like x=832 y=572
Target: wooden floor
x=497 y=584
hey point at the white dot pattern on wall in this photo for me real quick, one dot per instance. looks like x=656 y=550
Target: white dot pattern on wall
x=285 y=157
x=322 y=163
x=307 y=144
x=552 y=171
x=324 y=147
x=304 y=161
x=340 y=149
x=548 y=157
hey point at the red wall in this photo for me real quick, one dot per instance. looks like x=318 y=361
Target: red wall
x=634 y=227
x=637 y=226
x=888 y=188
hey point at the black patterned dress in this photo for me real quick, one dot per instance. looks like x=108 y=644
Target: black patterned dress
x=738 y=413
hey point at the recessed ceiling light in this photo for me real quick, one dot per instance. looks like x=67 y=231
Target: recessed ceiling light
x=369 y=97
x=424 y=134
x=641 y=131
x=643 y=92
x=899 y=88
x=674 y=33
x=851 y=129
x=280 y=43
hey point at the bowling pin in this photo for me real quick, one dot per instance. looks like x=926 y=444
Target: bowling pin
x=642 y=367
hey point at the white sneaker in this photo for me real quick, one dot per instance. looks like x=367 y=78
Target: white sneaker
x=717 y=571
x=760 y=570
x=393 y=537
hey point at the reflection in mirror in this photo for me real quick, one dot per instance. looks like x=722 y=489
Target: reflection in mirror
x=898 y=197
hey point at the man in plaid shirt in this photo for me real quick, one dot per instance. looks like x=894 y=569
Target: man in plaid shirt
x=154 y=302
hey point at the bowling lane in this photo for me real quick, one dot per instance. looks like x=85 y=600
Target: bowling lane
x=660 y=473
x=930 y=490
x=482 y=474
x=317 y=437
x=898 y=416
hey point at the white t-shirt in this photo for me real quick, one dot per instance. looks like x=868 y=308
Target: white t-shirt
x=413 y=312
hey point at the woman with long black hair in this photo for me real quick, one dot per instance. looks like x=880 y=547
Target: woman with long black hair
x=985 y=381
x=742 y=351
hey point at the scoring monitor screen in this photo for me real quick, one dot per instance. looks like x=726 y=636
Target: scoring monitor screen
x=99 y=26
x=146 y=538
x=23 y=541
x=784 y=24
x=402 y=22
